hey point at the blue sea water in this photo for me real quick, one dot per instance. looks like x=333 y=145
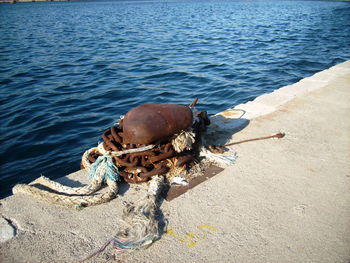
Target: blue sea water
x=68 y=70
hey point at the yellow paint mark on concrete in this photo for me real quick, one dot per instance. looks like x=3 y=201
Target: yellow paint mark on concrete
x=191 y=239
x=171 y=232
x=209 y=227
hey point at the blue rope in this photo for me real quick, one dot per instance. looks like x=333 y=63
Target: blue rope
x=105 y=168
x=133 y=245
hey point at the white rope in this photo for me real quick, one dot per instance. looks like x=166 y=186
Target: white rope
x=104 y=167
x=142 y=226
x=77 y=201
x=154 y=185
x=78 y=196
x=92 y=187
x=183 y=141
x=223 y=160
x=119 y=153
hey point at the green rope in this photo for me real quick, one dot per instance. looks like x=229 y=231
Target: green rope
x=105 y=168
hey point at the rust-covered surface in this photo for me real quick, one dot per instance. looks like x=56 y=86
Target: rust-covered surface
x=159 y=125
x=148 y=123
x=177 y=190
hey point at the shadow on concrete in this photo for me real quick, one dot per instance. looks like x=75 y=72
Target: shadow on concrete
x=83 y=180
x=223 y=128
x=69 y=182
x=160 y=217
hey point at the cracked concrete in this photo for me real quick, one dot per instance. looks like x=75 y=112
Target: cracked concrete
x=284 y=200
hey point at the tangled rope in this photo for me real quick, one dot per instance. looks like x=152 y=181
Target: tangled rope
x=141 y=225
x=92 y=187
x=69 y=201
x=139 y=162
x=103 y=170
x=120 y=156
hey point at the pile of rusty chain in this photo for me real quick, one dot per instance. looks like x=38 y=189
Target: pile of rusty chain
x=139 y=167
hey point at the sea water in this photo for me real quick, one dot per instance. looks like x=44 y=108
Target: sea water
x=68 y=70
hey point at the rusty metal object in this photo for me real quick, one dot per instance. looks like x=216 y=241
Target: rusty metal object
x=143 y=177
x=182 y=160
x=148 y=123
x=167 y=151
x=277 y=135
x=122 y=162
x=193 y=103
x=204 y=121
x=216 y=149
x=106 y=136
x=116 y=136
x=136 y=170
x=178 y=190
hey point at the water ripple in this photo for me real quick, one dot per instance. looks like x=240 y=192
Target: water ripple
x=77 y=66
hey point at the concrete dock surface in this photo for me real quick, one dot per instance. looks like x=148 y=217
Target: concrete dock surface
x=284 y=200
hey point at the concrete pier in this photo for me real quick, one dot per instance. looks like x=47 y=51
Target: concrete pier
x=284 y=200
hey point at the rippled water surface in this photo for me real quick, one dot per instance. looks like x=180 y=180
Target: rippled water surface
x=68 y=70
